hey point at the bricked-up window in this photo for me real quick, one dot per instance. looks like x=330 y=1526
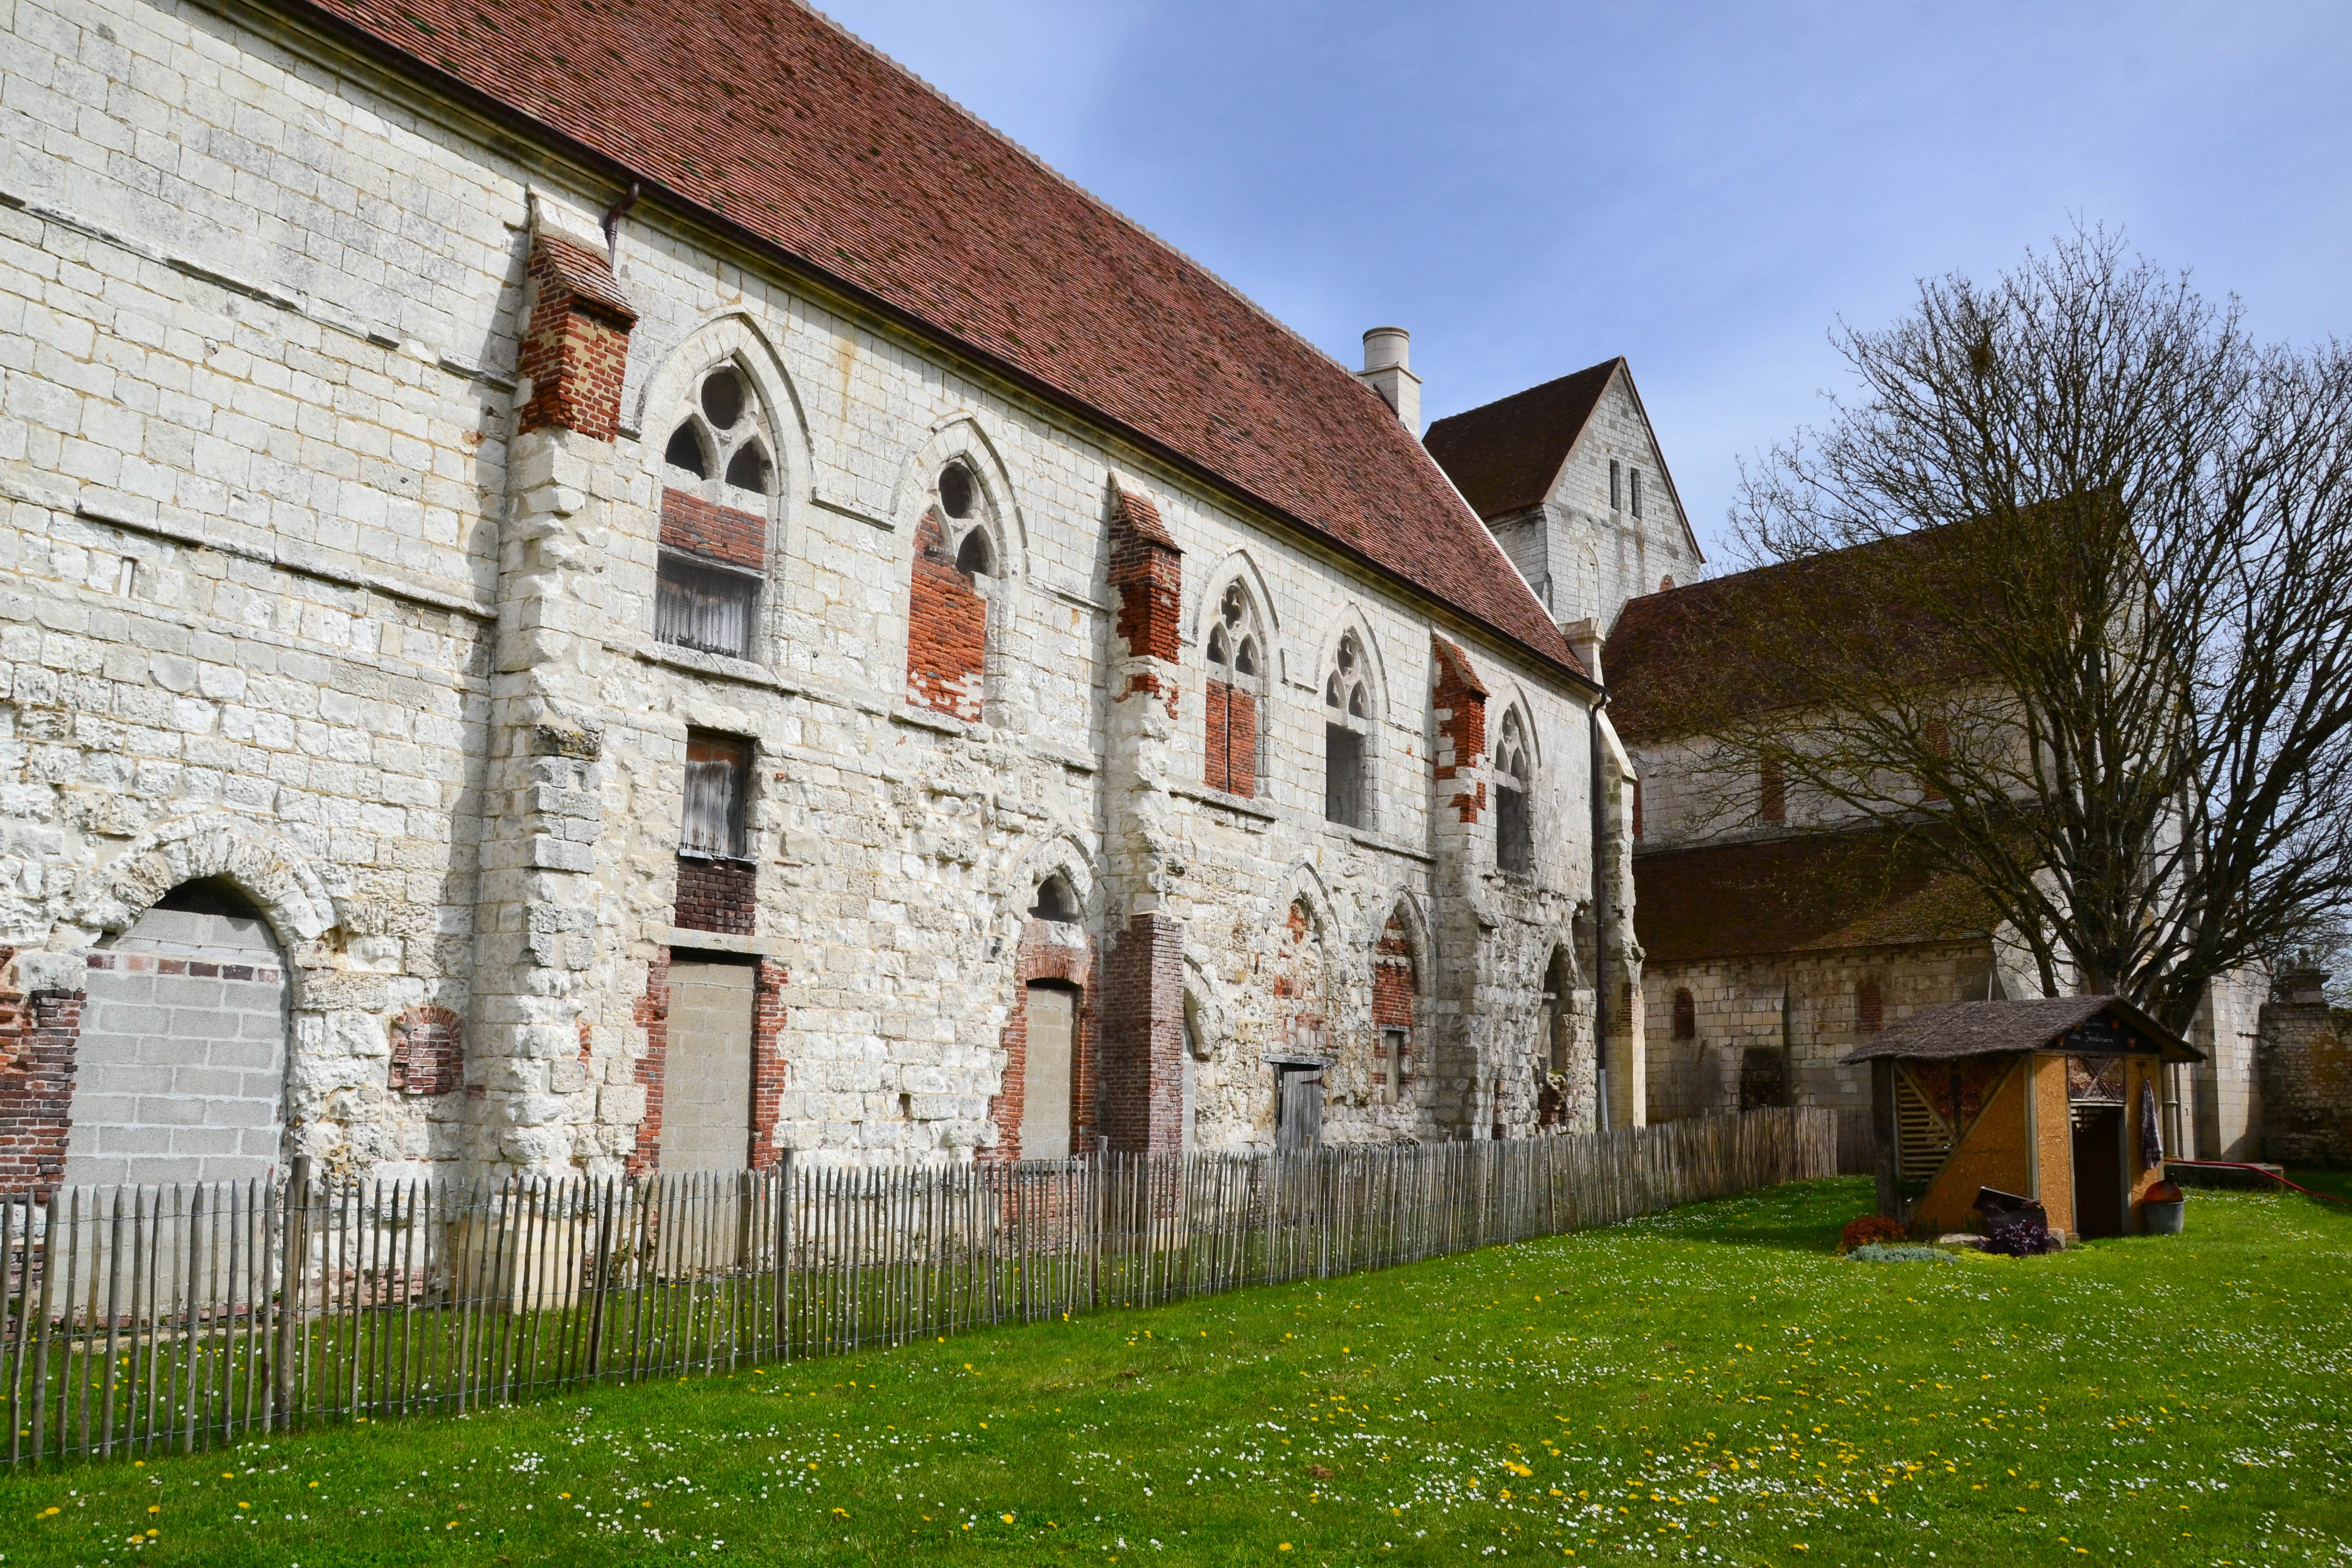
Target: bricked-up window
x=1514 y=845
x=1869 y=1007
x=1686 y=1015
x=952 y=607
x=428 y=1052
x=1347 y=726
x=1237 y=654
x=1616 y=485
x=1636 y=492
x=1395 y=989
x=1938 y=736
x=1772 y=791
x=717 y=780
x=1637 y=808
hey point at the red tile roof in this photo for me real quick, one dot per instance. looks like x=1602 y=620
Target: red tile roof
x=794 y=134
x=1813 y=892
x=1504 y=454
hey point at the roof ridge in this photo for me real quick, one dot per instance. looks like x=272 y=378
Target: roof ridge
x=1529 y=391
x=1080 y=191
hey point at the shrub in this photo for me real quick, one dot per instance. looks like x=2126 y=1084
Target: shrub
x=1869 y=1228
x=1875 y=1252
x=2020 y=1233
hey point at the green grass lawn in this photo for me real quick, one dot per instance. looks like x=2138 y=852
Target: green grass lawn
x=1709 y=1384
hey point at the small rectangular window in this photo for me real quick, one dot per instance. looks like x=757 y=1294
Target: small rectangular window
x=1343 y=775
x=718 y=778
x=1637 y=492
x=1514 y=848
x=704 y=607
x=1637 y=808
x=1616 y=485
x=1772 y=794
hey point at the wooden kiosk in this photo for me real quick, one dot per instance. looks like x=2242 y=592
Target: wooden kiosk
x=2058 y=1100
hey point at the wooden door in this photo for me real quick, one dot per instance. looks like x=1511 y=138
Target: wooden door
x=1298 y=1107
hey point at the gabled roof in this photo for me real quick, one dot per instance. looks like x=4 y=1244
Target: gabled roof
x=2089 y=1026
x=770 y=122
x=1505 y=456
x=1811 y=892
x=1687 y=655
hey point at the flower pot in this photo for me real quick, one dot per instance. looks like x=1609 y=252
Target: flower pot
x=2164 y=1219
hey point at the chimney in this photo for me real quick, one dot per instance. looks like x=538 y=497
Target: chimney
x=1388 y=370
x=1584 y=639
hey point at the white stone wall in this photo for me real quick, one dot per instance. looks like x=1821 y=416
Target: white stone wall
x=1585 y=558
x=259 y=323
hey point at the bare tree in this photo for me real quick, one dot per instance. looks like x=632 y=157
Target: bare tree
x=2087 y=639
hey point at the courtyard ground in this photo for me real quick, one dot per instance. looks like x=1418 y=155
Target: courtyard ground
x=1706 y=1385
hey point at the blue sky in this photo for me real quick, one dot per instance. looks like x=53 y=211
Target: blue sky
x=1704 y=189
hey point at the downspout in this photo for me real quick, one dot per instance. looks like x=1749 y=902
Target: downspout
x=1599 y=922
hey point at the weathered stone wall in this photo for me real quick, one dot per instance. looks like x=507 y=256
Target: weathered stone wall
x=1808 y=1010
x=2306 y=1083
x=314 y=582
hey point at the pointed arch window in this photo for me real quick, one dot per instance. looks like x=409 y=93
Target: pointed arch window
x=717 y=475
x=1396 y=985
x=1237 y=654
x=957 y=556
x=1515 y=847
x=1869 y=1007
x=1347 y=737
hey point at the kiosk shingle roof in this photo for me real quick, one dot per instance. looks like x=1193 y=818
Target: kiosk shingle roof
x=2009 y=1028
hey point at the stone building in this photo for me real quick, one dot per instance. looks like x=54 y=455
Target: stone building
x=1772 y=939
x=1776 y=937
x=662 y=596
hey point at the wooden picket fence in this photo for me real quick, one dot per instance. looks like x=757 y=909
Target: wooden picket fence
x=149 y=1320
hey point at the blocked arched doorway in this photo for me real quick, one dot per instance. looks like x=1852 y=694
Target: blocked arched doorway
x=180 y=1068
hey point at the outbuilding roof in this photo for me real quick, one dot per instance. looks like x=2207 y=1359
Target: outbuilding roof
x=1805 y=892
x=1685 y=659
x=2087 y=1026
x=770 y=121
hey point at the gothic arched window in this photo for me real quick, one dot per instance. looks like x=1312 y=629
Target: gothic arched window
x=1347 y=737
x=1515 y=849
x=717 y=475
x=957 y=556
x=1236 y=664
x=1396 y=984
